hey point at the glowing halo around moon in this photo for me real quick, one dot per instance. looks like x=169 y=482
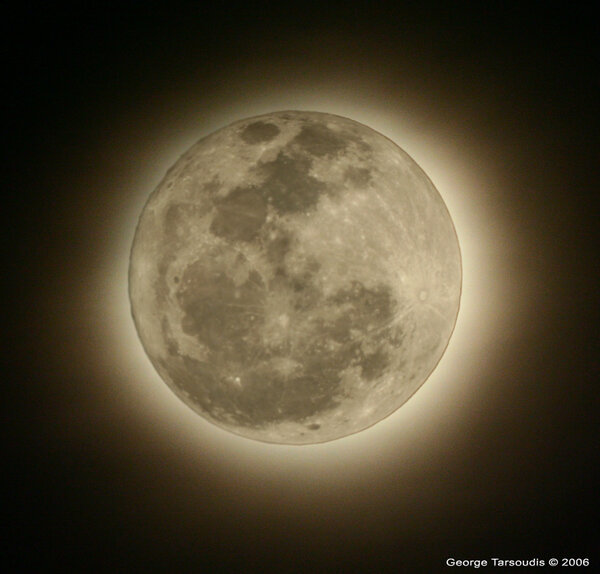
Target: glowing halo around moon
x=295 y=277
x=438 y=419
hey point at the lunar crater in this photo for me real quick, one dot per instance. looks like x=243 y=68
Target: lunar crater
x=295 y=278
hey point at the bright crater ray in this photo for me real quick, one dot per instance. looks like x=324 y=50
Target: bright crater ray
x=295 y=277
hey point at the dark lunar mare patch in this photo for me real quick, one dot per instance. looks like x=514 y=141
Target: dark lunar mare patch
x=373 y=364
x=320 y=141
x=363 y=315
x=240 y=215
x=288 y=186
x=211 y=187
x=365 y=303
x=259 y=132
x=219 y=313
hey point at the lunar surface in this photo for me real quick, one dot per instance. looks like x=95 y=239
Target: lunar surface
x=295 y=277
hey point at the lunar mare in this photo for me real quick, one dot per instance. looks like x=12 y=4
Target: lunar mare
x=295 y=277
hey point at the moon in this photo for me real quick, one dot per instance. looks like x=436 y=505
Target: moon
x=295 y=277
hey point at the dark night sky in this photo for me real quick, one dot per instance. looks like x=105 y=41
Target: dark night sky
x=100 y=102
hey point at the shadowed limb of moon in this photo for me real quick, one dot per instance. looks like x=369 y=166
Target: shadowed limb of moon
x=295 y=277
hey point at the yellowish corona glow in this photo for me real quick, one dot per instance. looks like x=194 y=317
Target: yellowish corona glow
x=433 y=420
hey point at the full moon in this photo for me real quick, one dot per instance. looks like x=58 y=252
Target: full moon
x=295 y=277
